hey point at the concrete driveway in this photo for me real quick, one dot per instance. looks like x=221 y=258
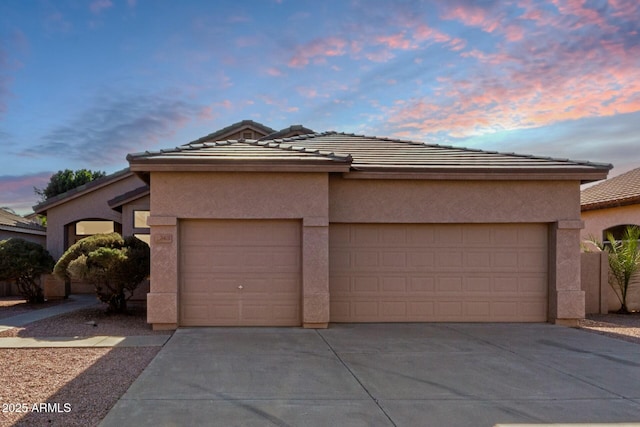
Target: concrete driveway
x=385 y=375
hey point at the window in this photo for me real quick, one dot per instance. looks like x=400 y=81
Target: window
x=140 y=219
x=617 y=231
x=89 y=228
x=247 y=135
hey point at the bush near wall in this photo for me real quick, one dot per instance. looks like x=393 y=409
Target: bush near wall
x=114 y=265
x=23 y=263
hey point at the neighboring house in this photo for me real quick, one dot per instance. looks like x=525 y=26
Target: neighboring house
x=119 y=202
x=333 y=227
x=611 y=205
x=13 y=225
x=86 y=210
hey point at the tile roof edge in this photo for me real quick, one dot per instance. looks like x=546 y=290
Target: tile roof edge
x=38 y=231
x=83 y=189
x=611 y=203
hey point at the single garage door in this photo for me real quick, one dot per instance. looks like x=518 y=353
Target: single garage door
x=438 y=272
x=240 y=272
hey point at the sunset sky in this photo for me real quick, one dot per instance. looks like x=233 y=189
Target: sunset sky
x=83 y=83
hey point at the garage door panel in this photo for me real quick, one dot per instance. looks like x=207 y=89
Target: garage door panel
x=240 y=272
x=466 y=272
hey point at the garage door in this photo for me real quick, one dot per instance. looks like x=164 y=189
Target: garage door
x=239 y=272
x=429 y=272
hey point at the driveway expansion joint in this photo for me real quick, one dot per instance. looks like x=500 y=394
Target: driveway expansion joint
x=356 y=378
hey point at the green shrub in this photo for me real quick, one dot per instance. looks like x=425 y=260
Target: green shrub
x=24 y=262
x=115 y=266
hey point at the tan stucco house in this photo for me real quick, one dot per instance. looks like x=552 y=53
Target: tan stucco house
x=611 y=205
x=251 y=226
x=332 y=227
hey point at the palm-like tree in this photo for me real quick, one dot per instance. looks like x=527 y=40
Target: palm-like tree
x=624 y=262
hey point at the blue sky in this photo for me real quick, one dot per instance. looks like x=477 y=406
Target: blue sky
x=83 y=83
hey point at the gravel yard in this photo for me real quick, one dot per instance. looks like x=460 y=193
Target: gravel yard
x=91 y=380
x=622 y=326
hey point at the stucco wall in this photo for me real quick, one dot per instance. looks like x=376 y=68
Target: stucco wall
x=596 y=282
x=356 y=200
x=92 y=205
x=142 y=204
x=187 y=195
x=318 y=200
x=596 y=221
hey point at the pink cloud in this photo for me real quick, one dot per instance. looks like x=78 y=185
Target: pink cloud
x=473 y=16
x=274 y=72
x=97 y=6
x=17 y=191
x=317 y=50
x=396 y=41
x=556 y=76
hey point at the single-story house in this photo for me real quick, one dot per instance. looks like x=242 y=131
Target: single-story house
x=334 y=227
x=609 y=207
x=13 y=225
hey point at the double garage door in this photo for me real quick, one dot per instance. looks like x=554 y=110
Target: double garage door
x=246 y=272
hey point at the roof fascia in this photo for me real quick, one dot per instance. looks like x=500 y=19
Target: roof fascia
x=610 y=204
x=91 y=187
x=239 y=166
x=480 y=174
x=23 y=230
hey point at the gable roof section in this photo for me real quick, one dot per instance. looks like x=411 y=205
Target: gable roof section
x=368 y=157
x=41 y=208
x=226 y=132
x=293 y=130
x=12 y=222
x=117 y=202
x=621 y=190
x=244 y=155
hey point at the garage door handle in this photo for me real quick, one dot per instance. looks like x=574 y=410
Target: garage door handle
x=240 y=287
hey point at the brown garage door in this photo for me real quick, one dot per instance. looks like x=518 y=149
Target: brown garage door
x=438 y=272
x=240 y=272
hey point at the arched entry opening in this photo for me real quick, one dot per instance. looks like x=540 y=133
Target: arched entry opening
x=78 y=230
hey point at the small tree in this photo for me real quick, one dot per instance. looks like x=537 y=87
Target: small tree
x=115 y=266
x=23 y=263
x=624 y=262
x=63 y=181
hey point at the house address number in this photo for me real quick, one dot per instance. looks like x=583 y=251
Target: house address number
x=163 y=238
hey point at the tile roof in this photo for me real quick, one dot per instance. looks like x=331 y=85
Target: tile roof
x=617 y=191
x=242 y=150
x=374 y=154
x=11 y=221
x=293 y=130
x=236 y=127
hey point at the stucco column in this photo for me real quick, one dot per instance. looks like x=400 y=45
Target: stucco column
x=162 y=300
x=315 y=272
x=566 y=298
